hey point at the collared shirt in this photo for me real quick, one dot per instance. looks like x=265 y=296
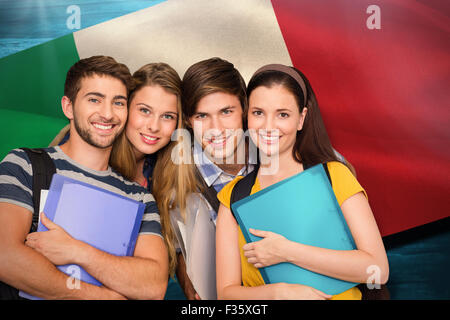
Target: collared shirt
x=215 y=176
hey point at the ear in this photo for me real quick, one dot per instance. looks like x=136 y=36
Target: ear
x=67 y=107
x=302 y=119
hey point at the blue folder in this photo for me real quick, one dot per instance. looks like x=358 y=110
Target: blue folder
x=304 y=209
x=101 y=218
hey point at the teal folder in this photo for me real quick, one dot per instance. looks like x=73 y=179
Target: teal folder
x=304 y=209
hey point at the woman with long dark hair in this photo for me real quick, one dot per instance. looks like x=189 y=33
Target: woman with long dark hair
x=285 y=124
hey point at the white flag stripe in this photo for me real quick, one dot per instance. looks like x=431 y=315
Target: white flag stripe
x=182 y=32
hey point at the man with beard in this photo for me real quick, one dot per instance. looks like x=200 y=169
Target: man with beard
x=95 y=102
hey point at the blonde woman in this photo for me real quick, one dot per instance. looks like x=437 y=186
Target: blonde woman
x=142 y=153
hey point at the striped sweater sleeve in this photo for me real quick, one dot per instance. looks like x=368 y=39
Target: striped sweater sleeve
x=151 y=222
x=16 y=179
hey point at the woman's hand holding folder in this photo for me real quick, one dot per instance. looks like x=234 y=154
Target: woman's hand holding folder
x=265 y=252
x=269 y=251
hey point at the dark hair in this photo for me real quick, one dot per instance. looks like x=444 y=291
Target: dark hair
x=312 y=145
x=211 y=76
x=99 y=65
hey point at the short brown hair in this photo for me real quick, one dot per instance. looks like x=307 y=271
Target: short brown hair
x=99 y=65
x=211 y=76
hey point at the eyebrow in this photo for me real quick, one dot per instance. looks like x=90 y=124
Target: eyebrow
x=144 y=104
x=101 y=95
x=228 y=107
x=98 y=94
x=120 y=97
x=150 y=107
x=277 y=110
x=221 y=109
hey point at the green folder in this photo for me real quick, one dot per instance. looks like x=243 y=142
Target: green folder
x=304 y=209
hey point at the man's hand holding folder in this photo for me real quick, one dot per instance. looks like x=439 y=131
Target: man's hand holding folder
x=62 y=249
x=99 y=238
x=55 y=244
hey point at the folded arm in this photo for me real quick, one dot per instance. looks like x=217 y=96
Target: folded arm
x=228 y=265
x=349 y=265
x=142 y=276
x=29 y=271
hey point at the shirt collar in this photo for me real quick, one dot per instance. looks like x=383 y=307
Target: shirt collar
x=210 y=171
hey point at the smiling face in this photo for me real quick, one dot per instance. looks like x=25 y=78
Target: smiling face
x=100 y=110
x=217 y=125
x=274 y=119
x=152 y=119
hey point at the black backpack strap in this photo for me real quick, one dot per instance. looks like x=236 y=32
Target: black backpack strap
x=327 y=172
x=43 y=170
x=211 y=195
x=208 y=192
x=243 y=187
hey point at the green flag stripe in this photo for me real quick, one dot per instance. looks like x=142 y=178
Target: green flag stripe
x=31 y=87
x=33 y=80
x=23 y=129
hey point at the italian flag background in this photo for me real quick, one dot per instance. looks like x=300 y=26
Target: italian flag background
x=383 y=92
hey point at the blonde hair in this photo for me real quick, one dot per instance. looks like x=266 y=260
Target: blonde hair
x=60 y=136
x=122 y=156
x=171 y=182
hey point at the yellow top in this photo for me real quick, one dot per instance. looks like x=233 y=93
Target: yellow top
x=344 y=186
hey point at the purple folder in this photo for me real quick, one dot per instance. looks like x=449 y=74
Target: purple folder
x=101 y=218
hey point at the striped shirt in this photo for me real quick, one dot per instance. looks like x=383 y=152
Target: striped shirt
x=16 y=184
